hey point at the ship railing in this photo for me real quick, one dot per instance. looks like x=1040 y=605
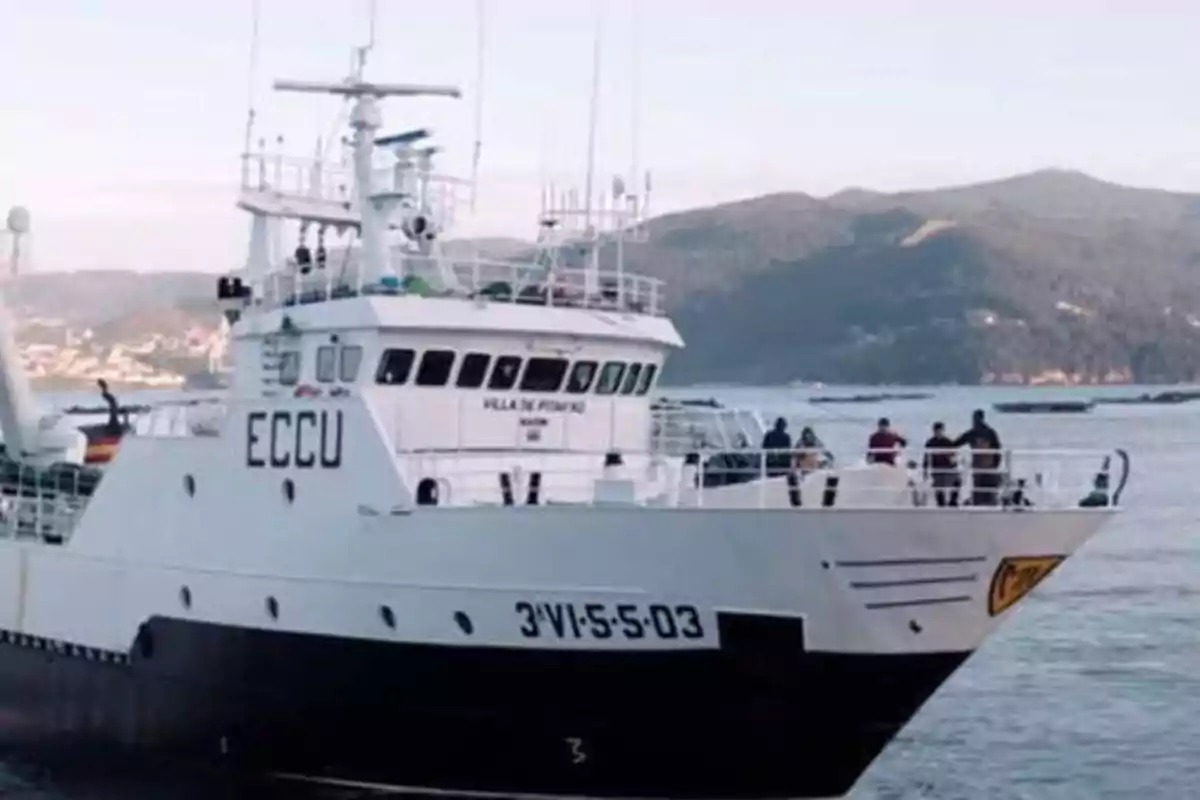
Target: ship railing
x=306 y=179
x=679 y=428
x=485 y=280
x=1028 y=480
x=182 y=418
x=43 y=504
x=297 y=177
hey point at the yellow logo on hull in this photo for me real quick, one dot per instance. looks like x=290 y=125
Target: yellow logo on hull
x=1015 y=576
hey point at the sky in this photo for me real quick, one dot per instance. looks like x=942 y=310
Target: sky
x=121 y=121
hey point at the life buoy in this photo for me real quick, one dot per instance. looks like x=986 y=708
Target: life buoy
x=305 y=390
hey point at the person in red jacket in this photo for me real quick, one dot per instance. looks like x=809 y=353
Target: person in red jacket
x=882 y=446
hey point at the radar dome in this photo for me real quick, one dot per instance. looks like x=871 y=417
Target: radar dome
x=18 y=219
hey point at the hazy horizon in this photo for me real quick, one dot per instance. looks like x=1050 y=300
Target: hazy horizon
x=123 y=131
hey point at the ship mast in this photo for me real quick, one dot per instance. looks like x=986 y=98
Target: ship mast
x=591 y=231
x=365 y=120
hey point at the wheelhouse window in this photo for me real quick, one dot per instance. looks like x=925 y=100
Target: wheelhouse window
x=581 y=377
x=472 y=370
x=326 y=363
x=435 y=368
x=631 y=378
x=647 y=379
x=395 y=366
x=289 y=368
x=504 y=374
x=543 y=374
x=610 y=377
x=352 y=356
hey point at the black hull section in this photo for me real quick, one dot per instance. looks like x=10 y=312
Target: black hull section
x=761 y=718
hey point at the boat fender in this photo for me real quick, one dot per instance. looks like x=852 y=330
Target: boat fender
x=535 y=487
x=506 y=488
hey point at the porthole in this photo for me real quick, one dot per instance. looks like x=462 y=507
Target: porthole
x=189 y=485
x=185 y=597
x=289 y=491
x=272 y=608
x=464 y=622
x=389 y=618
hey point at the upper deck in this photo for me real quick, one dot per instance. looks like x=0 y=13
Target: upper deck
x=316 y=194
x=475 y=279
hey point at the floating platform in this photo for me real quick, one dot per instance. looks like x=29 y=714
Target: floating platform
x=1160 y=399
x=872 y=398
x=1045 y=407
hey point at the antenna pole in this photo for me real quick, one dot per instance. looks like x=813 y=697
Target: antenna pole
x=372 y=8
x=591 y=153
x=250 y=80
x=479 y=19
x=635 y=98
x=365 y=49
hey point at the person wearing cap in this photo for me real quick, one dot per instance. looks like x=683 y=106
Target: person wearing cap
x=882 y=446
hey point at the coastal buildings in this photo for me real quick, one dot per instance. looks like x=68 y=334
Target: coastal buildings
x=57 y=355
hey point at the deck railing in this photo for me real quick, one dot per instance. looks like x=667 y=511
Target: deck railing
x=303 y=178
x=1011 y=480
x=467 y=278
x=43 y=504
x=182 y=418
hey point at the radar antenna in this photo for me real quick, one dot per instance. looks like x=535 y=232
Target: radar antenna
x=365 y=120
x=17 y=224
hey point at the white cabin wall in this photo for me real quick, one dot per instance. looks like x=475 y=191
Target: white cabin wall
x=409 y=315
x=449 y=418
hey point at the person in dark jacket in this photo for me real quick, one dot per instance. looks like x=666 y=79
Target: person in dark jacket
x=985 y=460
x=941 y=466
x=881 y=447
x=779 y=440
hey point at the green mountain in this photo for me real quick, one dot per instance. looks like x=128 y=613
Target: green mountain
x=1052 y=275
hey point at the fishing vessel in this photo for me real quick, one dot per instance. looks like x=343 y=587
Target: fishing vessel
x=438 y=536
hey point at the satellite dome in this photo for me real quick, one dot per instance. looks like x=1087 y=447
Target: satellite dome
x=18 y=219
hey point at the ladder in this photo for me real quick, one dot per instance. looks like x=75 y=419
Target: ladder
x=271 y=359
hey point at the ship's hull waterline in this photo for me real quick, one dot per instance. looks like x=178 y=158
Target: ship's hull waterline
x=761 y=717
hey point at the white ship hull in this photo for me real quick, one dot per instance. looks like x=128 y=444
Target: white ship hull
x=617 y=651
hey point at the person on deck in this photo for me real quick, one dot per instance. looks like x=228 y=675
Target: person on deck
x=985 y=460
x=777 y=439
x=941 y=466
x=114 y=426
x=810 y=453
x=882 y=446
